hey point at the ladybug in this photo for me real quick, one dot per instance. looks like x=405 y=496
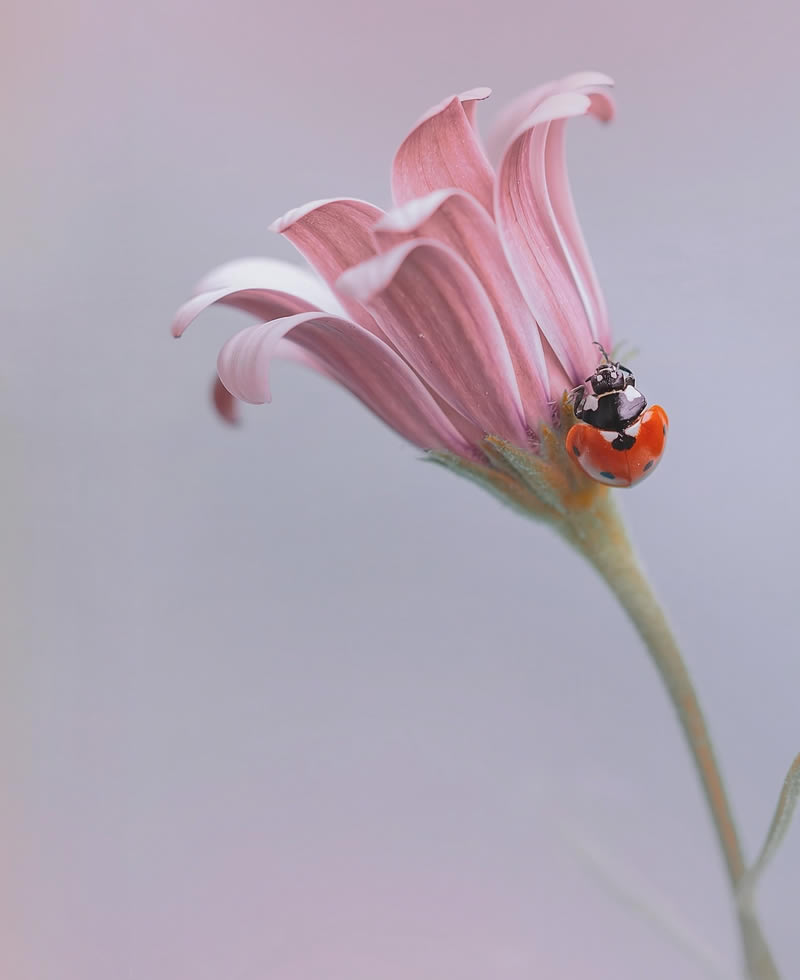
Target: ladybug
x=618 y=440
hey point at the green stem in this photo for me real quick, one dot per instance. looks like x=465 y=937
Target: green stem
x=599 y=535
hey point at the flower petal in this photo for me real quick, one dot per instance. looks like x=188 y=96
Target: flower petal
x=564 y=219
x=535 y=243
x=517 y=111
x=470 y=100
x=559 y=382
x=358 y=359
x=264 y=287
x=266 y=304
x=443 y=150
x=435 y=312
x=334 y=235
x=566 y=222
x=457 y=220
x=227 y=407
x=261 y=273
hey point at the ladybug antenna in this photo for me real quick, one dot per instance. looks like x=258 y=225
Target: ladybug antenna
x=603 y=351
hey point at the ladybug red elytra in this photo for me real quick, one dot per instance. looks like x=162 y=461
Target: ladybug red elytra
x=618 y=440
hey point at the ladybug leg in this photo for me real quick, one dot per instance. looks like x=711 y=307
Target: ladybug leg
x=578 y=396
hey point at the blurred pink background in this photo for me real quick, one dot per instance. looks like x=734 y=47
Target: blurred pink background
x=282 y=702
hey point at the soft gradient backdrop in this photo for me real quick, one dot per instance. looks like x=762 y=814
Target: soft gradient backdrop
x=284 y=703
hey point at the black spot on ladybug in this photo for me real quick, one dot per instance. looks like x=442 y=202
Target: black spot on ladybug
x=623 y=441
x=664 y=429
x=576 y=450
x=607 y=475
x=648 y=465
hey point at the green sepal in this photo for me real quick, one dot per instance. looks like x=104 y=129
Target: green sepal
x=508 y=490
x=536 y=473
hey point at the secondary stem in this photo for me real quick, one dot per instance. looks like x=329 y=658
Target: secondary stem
x=599 y=535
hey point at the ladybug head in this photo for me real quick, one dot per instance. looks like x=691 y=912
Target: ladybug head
x=609 y=376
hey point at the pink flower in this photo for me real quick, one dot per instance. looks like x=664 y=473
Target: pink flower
x=461 y=318
x=466 y=311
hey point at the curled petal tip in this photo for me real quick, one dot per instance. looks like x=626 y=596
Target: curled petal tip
x=226 y=406
x=295 y=214
x=603 y=107
x=434 y=111
x=560 y=106
x=364 y=281
x=356 y=281
x=342 y=350
x=443 y=150
x=475 y=94
x=247 y=273
x=285 y=222
x=413 y=213
x=507 y=125
x=590 y=78
x=183 y=318
x=471 y=95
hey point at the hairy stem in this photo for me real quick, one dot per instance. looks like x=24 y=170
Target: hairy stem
x=599 y=535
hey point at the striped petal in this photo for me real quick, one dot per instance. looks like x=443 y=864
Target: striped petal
x=518 y=110
x=531 y=184
x=266 y=288
x=266 y=304
x=443 y=150
x=458 y=221
x=432 y=307
x=356 y=358
x=566 y=222
x=262 y=273
x=334 y=235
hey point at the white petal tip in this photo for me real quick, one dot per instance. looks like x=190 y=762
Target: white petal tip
x=183 y=318
x=349 y=283
x=591 y=78
x=363 y=282
x=287 y=220
x=415 y=212
x=250 y=272
x=471 y=95
x=564 y=105
x=475 y=94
